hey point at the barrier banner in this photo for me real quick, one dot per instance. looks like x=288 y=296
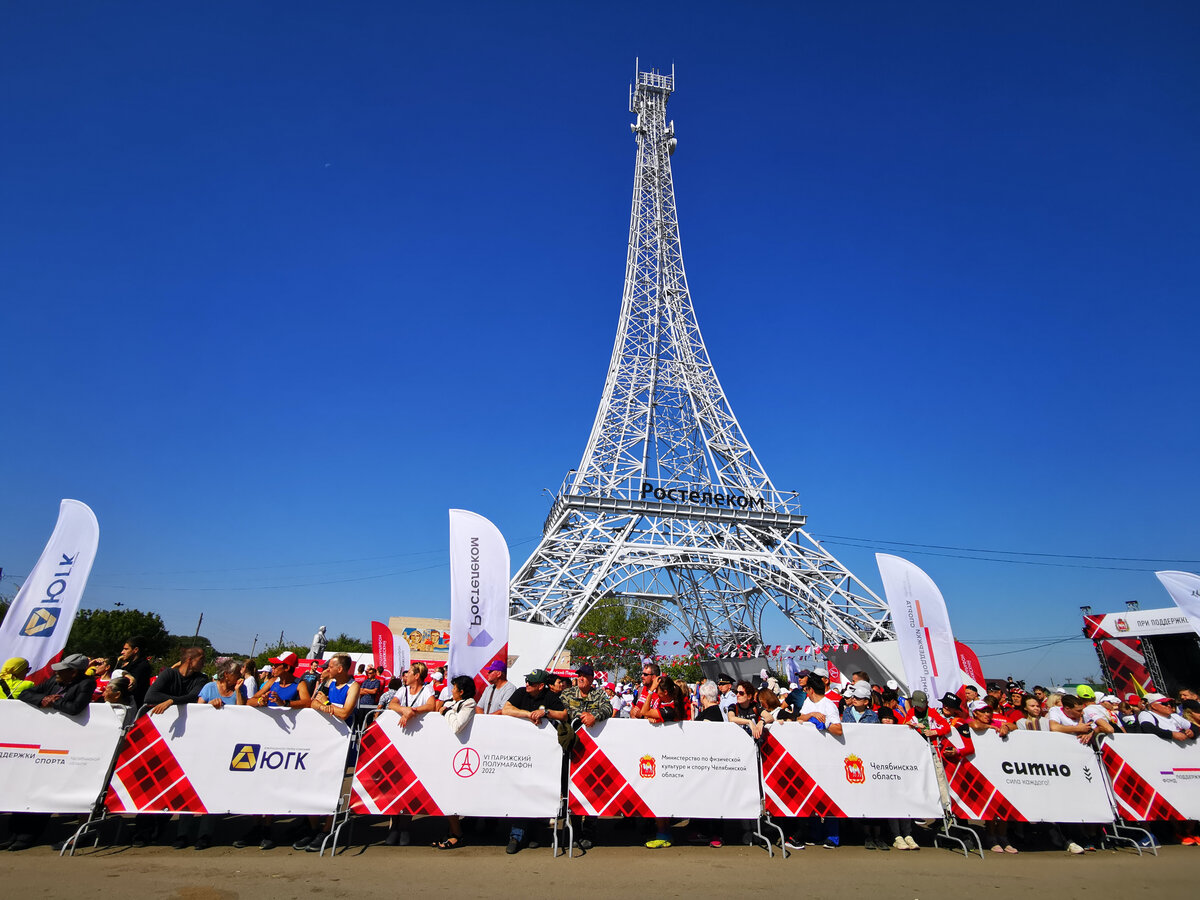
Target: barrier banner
x=54 y=763
x=1029 y=776
x=1153 y=779
x=634 y=768
x=872 y=771
x=498 y=766
x=237 y=759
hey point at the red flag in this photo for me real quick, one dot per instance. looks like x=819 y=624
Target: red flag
x=381 y=643
x=969 y=663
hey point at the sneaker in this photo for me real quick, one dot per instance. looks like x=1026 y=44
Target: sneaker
x=899 y=843
x=717 y=843
x=303 y=841
x=586 y=844
x=830 y=843
x=514 y=844
x=1074 y=849
x=1190 y=840
x=253 y=836
x=910 y=843
x=793 y=843
x=657 y=844
x=314 y=846
x=266 y=844
x=1150 y=841
x=869 y=844
x=882 y=845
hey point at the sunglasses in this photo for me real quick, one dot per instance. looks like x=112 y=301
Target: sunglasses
x=741 y=693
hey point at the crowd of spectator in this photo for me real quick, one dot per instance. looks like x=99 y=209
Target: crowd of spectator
x=571 y=701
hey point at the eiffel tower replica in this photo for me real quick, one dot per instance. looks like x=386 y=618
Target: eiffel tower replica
x=669 y=510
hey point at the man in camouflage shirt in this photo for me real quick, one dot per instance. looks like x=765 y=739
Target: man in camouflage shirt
x=586 y=706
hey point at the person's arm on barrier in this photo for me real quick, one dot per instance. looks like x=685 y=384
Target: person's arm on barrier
x=75 y=698
x=260 y=697
x=303 y=700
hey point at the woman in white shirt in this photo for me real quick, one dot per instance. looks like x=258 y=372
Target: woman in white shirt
x=415 y=697
x=458 y=712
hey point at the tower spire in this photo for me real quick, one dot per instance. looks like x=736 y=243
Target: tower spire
x=670 y=509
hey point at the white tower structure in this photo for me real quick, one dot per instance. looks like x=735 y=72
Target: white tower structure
x=669 y=510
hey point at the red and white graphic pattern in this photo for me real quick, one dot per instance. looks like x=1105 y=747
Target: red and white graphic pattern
x=1126 y=665
x=597 y=786
x=973 y=796
x=149 y=778
x=384 y=784
x=685 y=769
x=789 y=789
x=1131 y=773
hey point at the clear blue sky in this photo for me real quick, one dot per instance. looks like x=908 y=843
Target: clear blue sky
x=280 y=283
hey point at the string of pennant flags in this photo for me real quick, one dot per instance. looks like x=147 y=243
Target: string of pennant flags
x=602 y=641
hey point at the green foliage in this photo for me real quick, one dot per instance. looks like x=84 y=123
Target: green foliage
x=688 y=671
x=277 y=648
x=603 y=628
x=102 y=632
x=343 y=643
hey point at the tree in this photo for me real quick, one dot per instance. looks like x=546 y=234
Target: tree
x=343 y=643
x=689 y=671
x=102 y=632
x=613 y=637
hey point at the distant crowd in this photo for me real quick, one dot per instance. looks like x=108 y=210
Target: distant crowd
x=571 y=700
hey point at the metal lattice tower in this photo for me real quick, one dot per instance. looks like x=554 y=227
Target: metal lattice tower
x=670 y=510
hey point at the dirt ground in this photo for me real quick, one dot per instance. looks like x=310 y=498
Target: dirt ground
x=619 y=867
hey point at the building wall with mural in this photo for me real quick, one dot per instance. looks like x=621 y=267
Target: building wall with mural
x=427 y=639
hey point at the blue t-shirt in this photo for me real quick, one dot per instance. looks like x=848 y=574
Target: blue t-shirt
x=337 y=695
x=286 y=693
x=211 y=692
x=368 y=699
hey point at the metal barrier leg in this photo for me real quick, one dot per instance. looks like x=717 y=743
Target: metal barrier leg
x=770 y=823
x=341 y=818
x=1118 y=836
x=949 y=827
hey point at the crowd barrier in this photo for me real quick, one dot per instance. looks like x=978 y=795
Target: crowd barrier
x=681 y=769
x=868 y=772
x=1029 y=776
x=52 y=763
x=1153 y=780
x=197 y=759
x=498 y=766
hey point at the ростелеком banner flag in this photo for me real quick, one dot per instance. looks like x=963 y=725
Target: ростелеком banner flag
x=40 y=617
x=922 y=627
x=1184 y=588
x=478 y=595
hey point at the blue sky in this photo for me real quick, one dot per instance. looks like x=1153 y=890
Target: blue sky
x=281 y=283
